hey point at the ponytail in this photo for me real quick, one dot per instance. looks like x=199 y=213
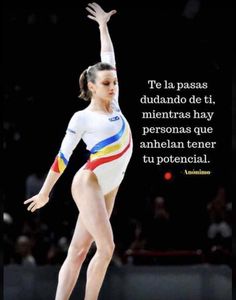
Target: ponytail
x=83 y=84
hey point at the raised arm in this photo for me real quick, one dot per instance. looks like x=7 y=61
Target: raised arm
x=101 y=17
x=107 y=50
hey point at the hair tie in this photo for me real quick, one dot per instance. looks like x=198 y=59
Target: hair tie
x=89 y=68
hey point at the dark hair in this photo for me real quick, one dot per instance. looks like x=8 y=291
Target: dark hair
x=89 y=74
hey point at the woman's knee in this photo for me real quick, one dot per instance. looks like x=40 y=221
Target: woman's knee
x=106 y=251
x=77 y=254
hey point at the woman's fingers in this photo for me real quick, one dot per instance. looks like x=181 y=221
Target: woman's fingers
x=32 y=199
x=97 y=13
x=95 y=6
x=91 y=17
x=112 y=12
x=36 y=202
x=92 y=8
x=28 y=201
x=34 y=207
x=31 y=206
x=90 y=11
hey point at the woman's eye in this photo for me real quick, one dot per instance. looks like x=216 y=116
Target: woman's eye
x=108 y=83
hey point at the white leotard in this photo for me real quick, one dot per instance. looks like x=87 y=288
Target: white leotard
x=107 y=137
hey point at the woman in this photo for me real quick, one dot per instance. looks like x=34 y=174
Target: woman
x=107 y=135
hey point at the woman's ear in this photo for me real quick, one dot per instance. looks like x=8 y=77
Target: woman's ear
x=90 y=86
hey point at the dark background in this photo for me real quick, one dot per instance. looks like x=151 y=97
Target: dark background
x=44 y=51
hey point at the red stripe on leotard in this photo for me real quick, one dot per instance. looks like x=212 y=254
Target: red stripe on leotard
x=55 y=166
x=91 y=165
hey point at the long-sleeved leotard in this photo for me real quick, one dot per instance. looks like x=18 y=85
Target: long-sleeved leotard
x=107 y=137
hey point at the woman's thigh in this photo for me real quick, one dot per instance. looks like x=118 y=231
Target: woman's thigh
x=82 y=239
x=92 y=207
x=110 y=201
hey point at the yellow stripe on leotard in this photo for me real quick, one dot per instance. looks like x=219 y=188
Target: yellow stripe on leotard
x=61 y=164
x=112 y=148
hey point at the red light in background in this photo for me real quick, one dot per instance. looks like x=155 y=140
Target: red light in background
x=168 y=176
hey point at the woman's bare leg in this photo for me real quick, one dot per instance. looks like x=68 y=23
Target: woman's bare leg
x=93 y=211
x=79 y=247
x=69 y=272
x=110 y=201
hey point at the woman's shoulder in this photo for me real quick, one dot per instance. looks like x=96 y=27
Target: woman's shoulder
x=78 y=118
x=80 y=113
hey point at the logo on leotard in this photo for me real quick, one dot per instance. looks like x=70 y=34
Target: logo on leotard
x=114 y=118
x=70 y=130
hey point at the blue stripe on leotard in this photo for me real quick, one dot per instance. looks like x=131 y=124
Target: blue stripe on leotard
x=109 y=140
x=61 y=155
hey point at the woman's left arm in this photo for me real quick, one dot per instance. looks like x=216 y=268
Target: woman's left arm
x=101 y=17
x=107 y=50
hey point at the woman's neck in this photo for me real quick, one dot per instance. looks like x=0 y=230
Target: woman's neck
x=100 y=105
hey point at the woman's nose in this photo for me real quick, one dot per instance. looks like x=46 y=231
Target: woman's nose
x=112 y=87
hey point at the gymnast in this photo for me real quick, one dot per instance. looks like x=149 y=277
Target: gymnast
x=107 y=135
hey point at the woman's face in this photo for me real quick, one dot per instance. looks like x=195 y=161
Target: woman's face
x=105 y=85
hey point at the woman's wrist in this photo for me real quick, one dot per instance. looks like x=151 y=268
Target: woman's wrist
x=103 y=25
x=44 y=194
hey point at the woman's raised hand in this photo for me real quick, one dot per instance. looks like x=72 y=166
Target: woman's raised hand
x=98 y=14
x=37 y=202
